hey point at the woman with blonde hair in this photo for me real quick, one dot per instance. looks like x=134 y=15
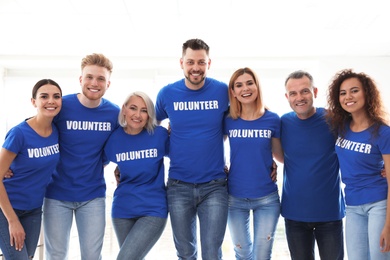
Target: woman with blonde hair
x=139 y=208
x=254 y=138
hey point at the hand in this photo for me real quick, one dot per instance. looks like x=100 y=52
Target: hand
x=274 y=172
x=385 y=240
x=17 y=235
x=226 y=170
x=383 y=172
x=8 y=174
x=117 y=174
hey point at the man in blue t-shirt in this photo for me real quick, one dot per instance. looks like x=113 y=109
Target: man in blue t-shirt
x=197 y=185
x=312 y=199
x=78 y=188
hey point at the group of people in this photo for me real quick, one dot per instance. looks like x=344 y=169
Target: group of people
x=54 y=162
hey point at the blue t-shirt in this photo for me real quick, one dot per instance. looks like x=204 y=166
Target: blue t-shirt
x=140 y=159
x=251 y=155
x=311 y=180
x=196 y=120
x=83 y=133
x=33 y=166
x=361 y=162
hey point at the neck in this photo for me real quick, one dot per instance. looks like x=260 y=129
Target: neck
x=88 y=102
x=41 y=125
x=360 y=122
x=194 y=86
x=132 y=131
x=249 y=112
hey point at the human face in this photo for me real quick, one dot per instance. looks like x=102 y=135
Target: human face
x=136 y=115
x=48 y=100
x=300 y=93
x=351 y=95
x=195 y=64
x=245 y=89
x=94 y=82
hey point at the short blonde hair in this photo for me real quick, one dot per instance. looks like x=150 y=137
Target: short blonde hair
x=152 y=122
x=97 y=59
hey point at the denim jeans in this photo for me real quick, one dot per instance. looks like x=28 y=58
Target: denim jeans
x=208 y=201
x=301 y=238
x=363 y=227
x=31 y=222
x=90 y=219
x=137 y=236
x=266 y=211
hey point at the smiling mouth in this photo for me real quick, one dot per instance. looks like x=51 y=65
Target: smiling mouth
x=300 y=104
x=93 y=90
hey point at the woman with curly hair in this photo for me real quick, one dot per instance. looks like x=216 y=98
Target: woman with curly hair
x=356 y=114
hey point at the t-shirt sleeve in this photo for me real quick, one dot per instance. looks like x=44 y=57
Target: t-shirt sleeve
x=13 y=140
x=161 y=114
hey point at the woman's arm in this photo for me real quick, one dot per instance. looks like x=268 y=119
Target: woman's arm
x=385 y=235
x=16 y=231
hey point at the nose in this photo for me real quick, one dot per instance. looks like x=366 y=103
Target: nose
x=137 y=113
x=348 y=95
x=94 y=82
x=51 y=100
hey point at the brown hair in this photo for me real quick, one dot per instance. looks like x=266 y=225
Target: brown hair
x=43 y=82
x=338 y=117
x=195 y=44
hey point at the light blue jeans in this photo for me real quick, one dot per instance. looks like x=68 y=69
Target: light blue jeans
x=363 y=227
x=90 y=219
x=208 y=201
x=31 y=222
x=266 y=211
x=137 y=236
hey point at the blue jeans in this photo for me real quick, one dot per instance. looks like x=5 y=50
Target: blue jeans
x=31 y=222
x=301 y=237
x=137 y=236
x=90 y=220
x=208 y=201
x=363 y=227
x=266 y=211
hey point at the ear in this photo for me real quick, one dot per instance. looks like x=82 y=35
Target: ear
x=33 y=102
x=208 y=64
x=315 y=91
x=81 y=79
x=232 y=91
x=181 y=63
x=108 y=84
x=285 y=94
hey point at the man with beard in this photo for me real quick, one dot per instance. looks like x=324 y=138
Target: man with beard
x=197 y=185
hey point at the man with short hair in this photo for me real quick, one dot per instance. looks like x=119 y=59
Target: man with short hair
x=312 y=199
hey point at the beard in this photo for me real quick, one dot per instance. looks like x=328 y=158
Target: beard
x=198 y=82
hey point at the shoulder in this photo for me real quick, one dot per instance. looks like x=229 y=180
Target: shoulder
x=16 y=130
x=214 y=82
x=69 y=97
x=109 y=104
x=271 y=114
x=160 y=130
x=172 y=86
x=288 y=116
x=384 y=130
